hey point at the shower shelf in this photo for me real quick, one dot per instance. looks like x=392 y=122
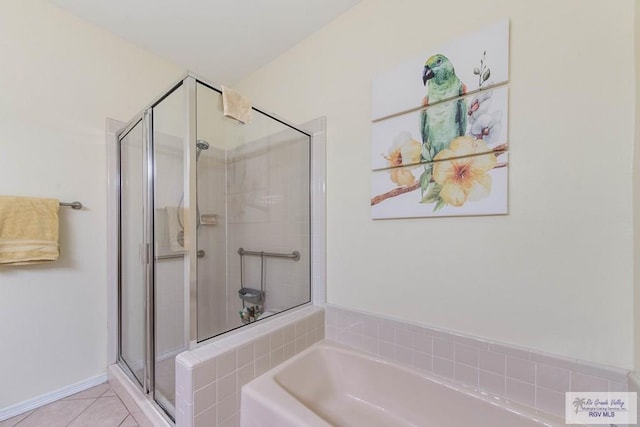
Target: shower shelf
x=253 y=296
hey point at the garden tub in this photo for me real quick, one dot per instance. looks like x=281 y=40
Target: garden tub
x=332 y=385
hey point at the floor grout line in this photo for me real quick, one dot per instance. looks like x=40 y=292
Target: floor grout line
x=107 y=390
x=98 y=398
x=121 y=421
x=125 y=407
x=125 y=419
x=83 y=411
x=66 y=399
x=32 y=412
x=102 y=396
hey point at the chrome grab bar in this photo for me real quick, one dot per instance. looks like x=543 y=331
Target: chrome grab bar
x=295 y=255
x=201 y=254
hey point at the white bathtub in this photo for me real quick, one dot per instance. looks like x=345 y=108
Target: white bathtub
x=331 y=385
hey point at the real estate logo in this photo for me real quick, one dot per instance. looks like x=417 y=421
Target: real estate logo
x=601 y=408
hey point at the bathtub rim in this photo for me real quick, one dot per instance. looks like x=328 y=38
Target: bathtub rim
x=266 y=381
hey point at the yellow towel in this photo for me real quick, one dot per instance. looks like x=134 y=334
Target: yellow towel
x=28 y=230
x=236 y=106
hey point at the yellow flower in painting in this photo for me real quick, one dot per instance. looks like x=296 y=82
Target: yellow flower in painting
x=464 y=178
x=404 y=151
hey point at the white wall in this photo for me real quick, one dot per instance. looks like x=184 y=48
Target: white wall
x=60 y=78
x=556 y=274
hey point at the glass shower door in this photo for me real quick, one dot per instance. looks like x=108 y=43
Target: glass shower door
x=152 y=327
x=132 y=254
x=152 y=248
x=169 y=238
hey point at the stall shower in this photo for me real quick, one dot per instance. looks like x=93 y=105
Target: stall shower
x=214 y=228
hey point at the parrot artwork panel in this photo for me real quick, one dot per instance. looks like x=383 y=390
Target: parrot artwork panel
x=486 y=116
x=440 y=131
x=481 y=193
x=394 y=91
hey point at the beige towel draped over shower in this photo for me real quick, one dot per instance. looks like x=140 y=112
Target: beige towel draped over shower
x=28 y=230
x=236 y=106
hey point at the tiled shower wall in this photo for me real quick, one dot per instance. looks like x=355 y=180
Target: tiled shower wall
x=259 y=195
x=268 y=210
x=209 y=378
x=212 y=267
x=525 y=376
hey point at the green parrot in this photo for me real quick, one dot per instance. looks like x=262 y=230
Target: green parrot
x=447 y=120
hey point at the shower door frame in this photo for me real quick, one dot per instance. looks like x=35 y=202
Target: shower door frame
x=189 y=81
x=146 y=121
x=191 y=215
x=145 y=118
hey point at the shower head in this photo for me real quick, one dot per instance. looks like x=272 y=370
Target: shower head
x=201 y=144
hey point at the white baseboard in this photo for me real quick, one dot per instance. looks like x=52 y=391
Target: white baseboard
x=43 y=399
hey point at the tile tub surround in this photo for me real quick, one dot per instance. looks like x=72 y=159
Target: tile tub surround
x=333 y=384
x=528 y=377
x=209 y=378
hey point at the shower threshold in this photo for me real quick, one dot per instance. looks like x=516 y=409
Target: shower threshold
x=135 y=401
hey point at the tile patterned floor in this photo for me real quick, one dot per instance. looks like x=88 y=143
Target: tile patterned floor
x=98 y=406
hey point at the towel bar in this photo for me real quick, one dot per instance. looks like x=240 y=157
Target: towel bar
x=72 y=205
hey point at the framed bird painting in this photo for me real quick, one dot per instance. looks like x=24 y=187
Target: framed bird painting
x=440 y=131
